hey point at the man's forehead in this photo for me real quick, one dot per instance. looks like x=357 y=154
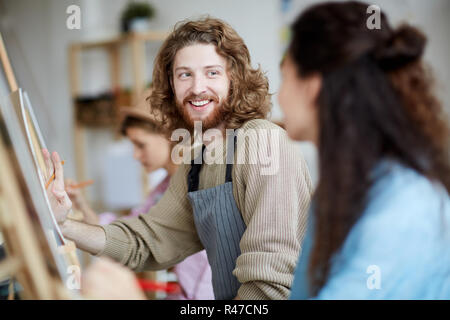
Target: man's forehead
x=198 y=56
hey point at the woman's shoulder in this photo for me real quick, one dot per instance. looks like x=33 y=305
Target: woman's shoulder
x=397 y=184
x=404 y=231
x=402 y=199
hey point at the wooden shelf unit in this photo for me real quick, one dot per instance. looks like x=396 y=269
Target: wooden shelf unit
x=136 y=41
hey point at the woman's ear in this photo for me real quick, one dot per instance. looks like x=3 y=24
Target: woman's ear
x=313 y=87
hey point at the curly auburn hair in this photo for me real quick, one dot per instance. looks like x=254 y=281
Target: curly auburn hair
x=248 y=97
x=376 y=102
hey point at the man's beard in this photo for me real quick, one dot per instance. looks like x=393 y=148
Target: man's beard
x=213 y=120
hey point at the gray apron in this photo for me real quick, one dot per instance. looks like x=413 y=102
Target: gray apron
x=219 y=225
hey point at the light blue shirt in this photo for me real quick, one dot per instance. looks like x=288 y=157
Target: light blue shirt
x=398 y=249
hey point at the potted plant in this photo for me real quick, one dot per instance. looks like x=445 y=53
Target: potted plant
x=136 y=16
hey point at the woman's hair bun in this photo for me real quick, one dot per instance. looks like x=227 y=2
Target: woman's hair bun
x=405 y=45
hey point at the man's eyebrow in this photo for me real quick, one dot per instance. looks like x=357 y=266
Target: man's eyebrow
x=182 y=68
x=214 y=66
x=206 y=67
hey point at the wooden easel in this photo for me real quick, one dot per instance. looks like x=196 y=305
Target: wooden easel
x=24 y=261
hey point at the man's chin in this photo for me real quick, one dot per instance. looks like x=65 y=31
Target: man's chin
x=207 y=123
x=209 y=120
x=202 y=119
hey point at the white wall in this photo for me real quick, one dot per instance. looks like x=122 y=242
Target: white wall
x=36 y=38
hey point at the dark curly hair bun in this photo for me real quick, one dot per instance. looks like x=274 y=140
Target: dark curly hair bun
x=406 y=45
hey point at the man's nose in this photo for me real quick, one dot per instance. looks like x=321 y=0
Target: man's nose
x=199 y=85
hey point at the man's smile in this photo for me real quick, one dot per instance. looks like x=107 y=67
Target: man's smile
x=200 y=105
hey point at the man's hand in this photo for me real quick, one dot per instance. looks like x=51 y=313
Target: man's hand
x=59 y=200
x=108 y=280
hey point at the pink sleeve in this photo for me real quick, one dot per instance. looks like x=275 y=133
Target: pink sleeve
x=106 y=218
x=195 y=278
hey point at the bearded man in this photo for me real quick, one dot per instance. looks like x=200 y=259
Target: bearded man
x=250 y=221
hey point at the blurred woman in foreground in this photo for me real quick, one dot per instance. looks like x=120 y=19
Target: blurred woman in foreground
x=379 y=225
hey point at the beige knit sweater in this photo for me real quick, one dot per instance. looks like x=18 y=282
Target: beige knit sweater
x=273 y=206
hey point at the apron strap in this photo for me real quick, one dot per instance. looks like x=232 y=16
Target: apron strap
x=193 y=178
x=230 y=158
x=194 y=173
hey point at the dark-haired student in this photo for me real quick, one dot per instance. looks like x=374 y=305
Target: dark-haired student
x=380 y=220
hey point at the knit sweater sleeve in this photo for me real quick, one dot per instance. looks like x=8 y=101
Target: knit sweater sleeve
x=160 y=238
x=274 y=198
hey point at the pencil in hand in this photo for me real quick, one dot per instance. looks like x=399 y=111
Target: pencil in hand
x=52 y=178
